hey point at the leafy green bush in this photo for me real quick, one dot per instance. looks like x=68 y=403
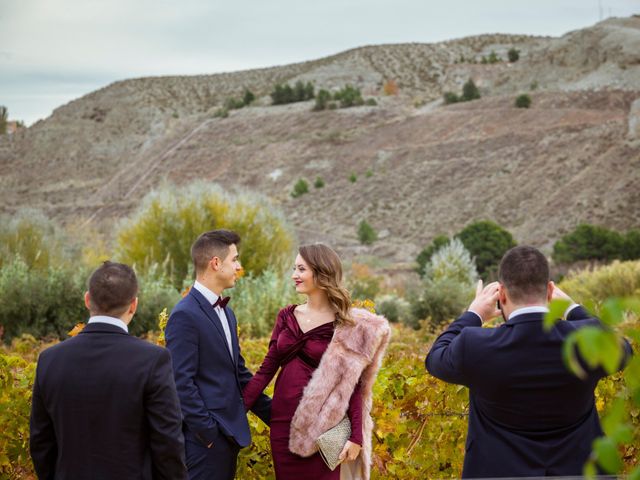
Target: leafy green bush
x=514 y=55
x=319 y=183
x=169 y=220
x=349 y=96
x=256 y=300
x=631 y=245
x=470 y=91
x=37 y=240
x=447 y=288
x=366 y=233
x=300 y=188
x=283 y=94
x=394 y=308
x=41 y=302
x=588 y=242
x=450 y=97
x=156 y=293
x=487 y=242
x=523 y=101
x=619 y=279
x=493 y=58
x=248 y=97
x=222 y=112
x=425 y=255
x=353 y=178
x=322 y=99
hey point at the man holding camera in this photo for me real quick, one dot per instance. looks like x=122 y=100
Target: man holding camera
x=529 y=416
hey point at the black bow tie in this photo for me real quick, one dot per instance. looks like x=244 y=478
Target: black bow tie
x=221 y=302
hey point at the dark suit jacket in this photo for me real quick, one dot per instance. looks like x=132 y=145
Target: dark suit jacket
x=105 y=407
x=209 y=379
x=528 y=415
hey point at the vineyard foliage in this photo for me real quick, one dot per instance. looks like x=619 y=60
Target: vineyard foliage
x=420 y=422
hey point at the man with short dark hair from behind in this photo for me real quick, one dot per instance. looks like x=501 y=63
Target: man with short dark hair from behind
x=529 y=416
x=104 y=403
x=209 y=369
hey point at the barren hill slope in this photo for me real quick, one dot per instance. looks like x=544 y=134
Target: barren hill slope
x=431 y=168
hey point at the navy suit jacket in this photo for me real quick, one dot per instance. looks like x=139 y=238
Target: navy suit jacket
x=529 y=416
x=208 y=378
x=105 y=407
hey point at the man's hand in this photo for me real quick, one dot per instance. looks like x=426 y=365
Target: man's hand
x=558 y=294
x=485 y=302
x=350 y=451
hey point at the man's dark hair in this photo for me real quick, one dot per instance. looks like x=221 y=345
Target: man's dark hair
x=524 y=271
x=112 y=288
x=214 y=243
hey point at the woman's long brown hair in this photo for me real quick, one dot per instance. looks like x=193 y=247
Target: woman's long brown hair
x=327 y=275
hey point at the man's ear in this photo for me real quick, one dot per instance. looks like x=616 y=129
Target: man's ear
x=549 y=291
x=215 y=263
x=134 y=306
x=502 y=294
x=87 y=300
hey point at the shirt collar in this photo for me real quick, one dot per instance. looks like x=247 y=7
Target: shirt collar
x=533 y=309
x=208 y=294
x=110 y=320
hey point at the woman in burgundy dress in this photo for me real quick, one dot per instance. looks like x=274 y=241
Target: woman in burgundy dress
x=301 y=336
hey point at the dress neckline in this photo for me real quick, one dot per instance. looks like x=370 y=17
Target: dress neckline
x=297 y=322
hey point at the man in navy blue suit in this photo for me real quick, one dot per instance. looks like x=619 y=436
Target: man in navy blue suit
x=209 y=370
x=104 y=403
x=528 y=415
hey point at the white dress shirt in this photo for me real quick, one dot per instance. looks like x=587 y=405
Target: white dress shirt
x=213 y=298
x=110 y=320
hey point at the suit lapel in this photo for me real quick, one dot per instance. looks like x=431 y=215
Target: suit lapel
x=210 y=312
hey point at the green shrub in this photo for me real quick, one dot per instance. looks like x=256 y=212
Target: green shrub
x=248 y=97
x=523 y=101
x=368 y=173
x=470 y=91
x=42 y=302
x=319 y=183
x=353 y=178
x=487 y=242
x=588 y=242
x=493 y=58
x=300 y=188
x=514 y=55
x=283 y=94
x=169 y=220
x=454 y=262
x=349 y=96
x=366 y=233
x=631 y=245
x=619 y=279
x=256 y=300
x=222 y=112
x=156 y=293
x=450 y=97
x=322 y=99
x=393 y=308
x=371 y=102
x=37 y=240
x=425 y=255
x=233 y=104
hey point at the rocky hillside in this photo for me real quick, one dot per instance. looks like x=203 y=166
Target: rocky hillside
x=422 y=168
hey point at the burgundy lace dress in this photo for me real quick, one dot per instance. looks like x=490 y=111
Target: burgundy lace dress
x=297 y=355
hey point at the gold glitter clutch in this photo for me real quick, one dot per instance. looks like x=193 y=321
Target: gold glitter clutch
x=331 y=442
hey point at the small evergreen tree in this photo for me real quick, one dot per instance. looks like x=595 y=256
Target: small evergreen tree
x=4 y=116
x=322 y=99
x=353 y=178
x=493 y=58
x=366 y=233
x=514 y=55
x=319 y=183
x=588 y=242
x=470 y=91
x=300 y=188
x=523 y=101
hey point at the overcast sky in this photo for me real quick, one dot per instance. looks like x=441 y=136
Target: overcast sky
x=52 y=51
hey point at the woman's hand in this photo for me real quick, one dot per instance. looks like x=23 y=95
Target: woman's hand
x=350 y=451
